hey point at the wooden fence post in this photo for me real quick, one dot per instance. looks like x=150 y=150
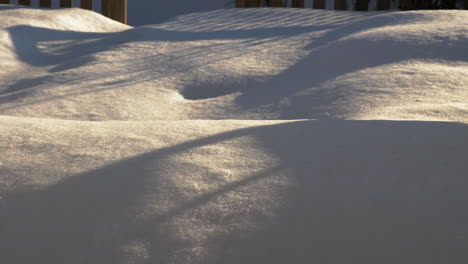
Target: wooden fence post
x=415 y=4
x=383 y=5
x=45 y=3
x=340 y=5
x=319 y=4
x=240 y=3
x=297 y=3
x=24 y=2
x=404 y=4
x=65 y=3
x=253 y=3
x=362 y=5
x=115 y=9
x=276 y=3
x=87 y=4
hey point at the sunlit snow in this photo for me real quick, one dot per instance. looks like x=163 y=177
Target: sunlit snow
x=234 y=136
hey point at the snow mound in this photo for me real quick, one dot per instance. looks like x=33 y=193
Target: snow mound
x=21 y=20
x=233 y=191
x=73 y=19
x=241 y=64
x=183 y=166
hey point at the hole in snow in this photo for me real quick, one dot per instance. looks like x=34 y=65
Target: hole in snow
x=205 y=90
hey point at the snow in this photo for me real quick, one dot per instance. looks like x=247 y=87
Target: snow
x=234 y=136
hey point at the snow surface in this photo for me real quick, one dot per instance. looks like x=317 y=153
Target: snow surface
x=234 y=136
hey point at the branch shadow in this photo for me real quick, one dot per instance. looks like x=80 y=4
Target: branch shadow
x=77 y=49
x=335 y=55
x=70 y=50
x=88 y=217
x=369 y=191
x=365 y=190
x=330 y=57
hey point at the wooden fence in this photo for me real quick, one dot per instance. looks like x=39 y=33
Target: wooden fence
x=359 y=5
x=114 y=9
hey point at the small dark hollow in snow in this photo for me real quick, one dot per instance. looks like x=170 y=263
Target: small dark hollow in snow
x=212 y=90
x=206 y=90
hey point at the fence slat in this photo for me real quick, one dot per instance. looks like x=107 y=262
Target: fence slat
x=4 y=2
x=240 y=3
x=276 y=3
x=319 y=4
x=340 y=5
x=297 y=3
x=247 y=3
x=24 y=2
x=362 y=5
x=415 y=4
x=115 y=9
x=65 y=3
x=383 y=5
x=87 y=4
x=45 y=3
x=253 y=3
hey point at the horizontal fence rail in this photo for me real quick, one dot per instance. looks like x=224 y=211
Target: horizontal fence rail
x=114 y=9
x=359 y=5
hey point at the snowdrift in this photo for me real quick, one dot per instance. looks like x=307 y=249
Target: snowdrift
x=233 y=191
x=238 y=64
x=234 y=136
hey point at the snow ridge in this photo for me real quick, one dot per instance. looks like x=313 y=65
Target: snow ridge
x=234 y=136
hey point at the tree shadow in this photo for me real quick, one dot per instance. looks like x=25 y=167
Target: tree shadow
x=26 y=40
x=90 y=216
x=364 y=190
x=370 y=191
x=330 y=57
x=335 y=55
x=60 y=51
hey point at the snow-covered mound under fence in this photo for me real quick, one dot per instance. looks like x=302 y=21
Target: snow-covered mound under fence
x=234 y=136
